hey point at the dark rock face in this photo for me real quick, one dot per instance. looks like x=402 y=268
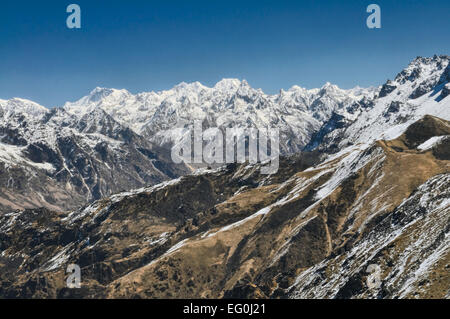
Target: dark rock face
x=11 y=136
x=394 y=107
x=336 y=121
x=386 y=89
x=425 y=129
x=445 y=77
x=422 y=89
x=445 y=91
x=412 y=73
x=442 y=151
x=365 y=103
x=429 y=84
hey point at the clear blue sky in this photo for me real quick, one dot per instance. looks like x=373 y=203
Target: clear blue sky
x=153 y=45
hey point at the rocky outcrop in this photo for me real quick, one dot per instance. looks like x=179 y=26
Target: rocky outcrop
x=445 y=91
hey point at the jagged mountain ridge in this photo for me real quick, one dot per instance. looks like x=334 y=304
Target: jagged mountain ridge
x=297 y=112
x=58 y=160
x=418 y=90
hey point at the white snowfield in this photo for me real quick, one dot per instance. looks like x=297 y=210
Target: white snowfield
x=435 y=140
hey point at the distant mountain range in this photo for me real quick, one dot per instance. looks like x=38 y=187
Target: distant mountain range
x=364 y=179
x=58 y=160
x=297 y=113
x=112 y=140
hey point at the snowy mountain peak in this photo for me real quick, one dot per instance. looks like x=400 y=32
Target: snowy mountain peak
x=422 y=67
x=418 y=90
x=193 y=86
x=430 y=60
x=100 y=93
x=228 y=85
x=329 y=86
x=98 y=97
x=22 y=106
x=295 y=88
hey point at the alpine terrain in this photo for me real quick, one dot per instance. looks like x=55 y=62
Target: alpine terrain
x=363 y=184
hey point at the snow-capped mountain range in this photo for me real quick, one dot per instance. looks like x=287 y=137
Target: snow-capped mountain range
x=111 y=140
x=58 y=160
x=374 y=190
x=297 y=112
x=300 y=114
